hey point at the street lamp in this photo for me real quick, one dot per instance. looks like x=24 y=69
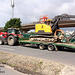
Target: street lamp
x=12 y=5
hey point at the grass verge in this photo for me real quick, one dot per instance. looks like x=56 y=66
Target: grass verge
x=31 y=65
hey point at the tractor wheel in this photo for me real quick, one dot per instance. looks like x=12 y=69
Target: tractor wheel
x=51 y=47
x=41 y=47
x=1 y=41
x=11 y=40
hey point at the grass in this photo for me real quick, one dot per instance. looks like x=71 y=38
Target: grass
x=30 y=63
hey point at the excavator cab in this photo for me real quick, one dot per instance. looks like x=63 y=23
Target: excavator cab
x=44 y=26
x=49 y=22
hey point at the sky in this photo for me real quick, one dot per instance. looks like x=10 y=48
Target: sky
x=30 y=10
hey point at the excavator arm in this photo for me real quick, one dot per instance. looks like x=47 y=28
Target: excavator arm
x=64 y=20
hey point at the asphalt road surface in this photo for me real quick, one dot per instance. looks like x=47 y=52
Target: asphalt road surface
x=66 y=56
x=6 y=70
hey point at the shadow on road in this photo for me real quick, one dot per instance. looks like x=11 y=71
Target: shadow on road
x=64 y=49
x=68 y=50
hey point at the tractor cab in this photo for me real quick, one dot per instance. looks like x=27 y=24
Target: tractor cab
x=13 y=31
x=13 y=36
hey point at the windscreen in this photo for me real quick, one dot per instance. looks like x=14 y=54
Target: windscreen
x=14 y=31
x=11 y=31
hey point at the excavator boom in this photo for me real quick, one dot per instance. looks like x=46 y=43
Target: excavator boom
x=65 y=24
x=63 y=20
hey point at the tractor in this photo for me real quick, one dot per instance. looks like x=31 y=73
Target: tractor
x=11 y=37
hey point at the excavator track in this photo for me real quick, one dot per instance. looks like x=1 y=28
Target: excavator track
x=43 y=38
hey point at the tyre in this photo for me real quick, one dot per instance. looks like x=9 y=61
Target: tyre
x=1 y=41
x=11 y=40
x=41 y=47
x=51 y=47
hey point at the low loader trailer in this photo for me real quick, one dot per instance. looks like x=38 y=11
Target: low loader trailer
x=48 y=35
x=49 y=45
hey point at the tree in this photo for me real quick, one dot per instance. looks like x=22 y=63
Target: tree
x=32 y=32
x=12 y=23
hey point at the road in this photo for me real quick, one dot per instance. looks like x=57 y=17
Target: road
x=65 y=57
x=6 y=70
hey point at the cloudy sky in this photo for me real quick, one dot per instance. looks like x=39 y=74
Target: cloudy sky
x=30 y=10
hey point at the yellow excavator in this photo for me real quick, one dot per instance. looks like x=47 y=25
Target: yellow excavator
x=44 y=26
x=48 y=29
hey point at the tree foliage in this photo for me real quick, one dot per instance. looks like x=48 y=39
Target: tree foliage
x=12 y=23
x=32 y=32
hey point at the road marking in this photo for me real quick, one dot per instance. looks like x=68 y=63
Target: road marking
x=7 y=48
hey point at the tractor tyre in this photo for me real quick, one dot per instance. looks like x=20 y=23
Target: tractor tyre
x=11 y=40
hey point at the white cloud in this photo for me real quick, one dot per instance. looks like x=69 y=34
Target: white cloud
x=30 y=10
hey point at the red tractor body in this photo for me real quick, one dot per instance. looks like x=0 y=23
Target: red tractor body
x=11 y=37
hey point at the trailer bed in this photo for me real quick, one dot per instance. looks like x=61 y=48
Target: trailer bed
x=47 y=43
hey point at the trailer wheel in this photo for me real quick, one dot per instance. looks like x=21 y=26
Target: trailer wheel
x=11 y=40
x=51 y=47
x=1 y=41
x=41 y=47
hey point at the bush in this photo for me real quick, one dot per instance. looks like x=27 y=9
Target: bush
x=12 y=23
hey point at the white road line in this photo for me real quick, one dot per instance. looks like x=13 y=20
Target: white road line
x=6 y=48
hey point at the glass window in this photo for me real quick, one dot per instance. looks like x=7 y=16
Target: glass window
x=11 y=31
x=14 y=31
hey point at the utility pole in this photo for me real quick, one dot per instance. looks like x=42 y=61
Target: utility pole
x=12 y=5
